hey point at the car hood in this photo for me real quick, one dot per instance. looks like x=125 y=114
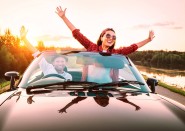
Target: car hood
x=47 y=112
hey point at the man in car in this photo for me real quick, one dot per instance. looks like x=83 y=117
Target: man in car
x=58 y=63
x=58 y=66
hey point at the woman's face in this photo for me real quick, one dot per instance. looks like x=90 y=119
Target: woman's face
x=108 y=39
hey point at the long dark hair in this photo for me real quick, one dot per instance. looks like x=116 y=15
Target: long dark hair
x=102 y=100
x=99 y=42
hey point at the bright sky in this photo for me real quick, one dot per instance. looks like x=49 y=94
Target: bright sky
x=131 y=19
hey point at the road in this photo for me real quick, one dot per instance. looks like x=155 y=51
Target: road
x=172 y=95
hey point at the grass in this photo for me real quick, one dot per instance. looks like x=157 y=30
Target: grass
x=4 y=85
x=172 y=88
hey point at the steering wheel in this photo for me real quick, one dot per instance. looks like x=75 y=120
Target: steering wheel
x=53 y=75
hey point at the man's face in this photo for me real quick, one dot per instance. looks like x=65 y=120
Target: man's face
x=59 y=63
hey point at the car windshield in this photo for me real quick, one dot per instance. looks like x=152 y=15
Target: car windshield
x=101 y=69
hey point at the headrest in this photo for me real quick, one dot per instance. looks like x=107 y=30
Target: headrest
x=104 y=61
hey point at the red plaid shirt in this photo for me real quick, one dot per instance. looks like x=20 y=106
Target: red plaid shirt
x=90 y=46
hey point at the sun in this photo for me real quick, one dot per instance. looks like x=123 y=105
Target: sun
x=22 y=43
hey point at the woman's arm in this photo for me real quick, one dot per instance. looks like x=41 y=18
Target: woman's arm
x=144 y=42
x=61 y=13
x=132 y=48
x=76 y=32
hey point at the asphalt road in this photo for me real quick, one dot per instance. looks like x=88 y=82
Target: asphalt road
x=172 y=95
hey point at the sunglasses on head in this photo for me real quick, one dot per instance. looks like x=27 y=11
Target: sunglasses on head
x=108 y=36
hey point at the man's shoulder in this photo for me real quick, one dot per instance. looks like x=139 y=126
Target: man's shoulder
x=68 y=75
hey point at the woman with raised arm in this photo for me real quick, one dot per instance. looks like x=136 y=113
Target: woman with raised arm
x=106 y=40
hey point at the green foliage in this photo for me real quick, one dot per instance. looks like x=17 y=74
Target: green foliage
x=3 y=83
x=160 y=59
x=40 y=46
x=7 y=59
x=12 y=55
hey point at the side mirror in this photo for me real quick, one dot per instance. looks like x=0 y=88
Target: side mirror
x=12 y=76
x=152 y=82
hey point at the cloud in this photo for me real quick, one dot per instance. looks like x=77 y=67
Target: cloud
x=170 y=25
x=52 y=38
x=141 y=26
x=177 y=27
x=164 y=24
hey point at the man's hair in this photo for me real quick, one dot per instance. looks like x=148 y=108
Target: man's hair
x=57 y=56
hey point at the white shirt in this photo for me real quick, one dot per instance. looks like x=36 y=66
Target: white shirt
x=98 y=74
x=48 y=68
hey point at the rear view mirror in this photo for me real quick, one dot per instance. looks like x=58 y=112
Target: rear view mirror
x=152 y=82
x=12 y=76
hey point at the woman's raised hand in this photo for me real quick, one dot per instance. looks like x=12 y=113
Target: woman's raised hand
x=151 y=35
x=60 y=12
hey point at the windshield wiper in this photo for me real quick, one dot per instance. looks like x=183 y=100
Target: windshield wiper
x=79 y=85
x=116 y=84
x=64 y=84
x=46 y=88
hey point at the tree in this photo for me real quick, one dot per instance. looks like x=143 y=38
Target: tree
x=7 y=60
x=40 y=46
x=13 y=56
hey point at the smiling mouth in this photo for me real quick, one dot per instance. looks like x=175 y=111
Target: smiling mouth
x=109 y=42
